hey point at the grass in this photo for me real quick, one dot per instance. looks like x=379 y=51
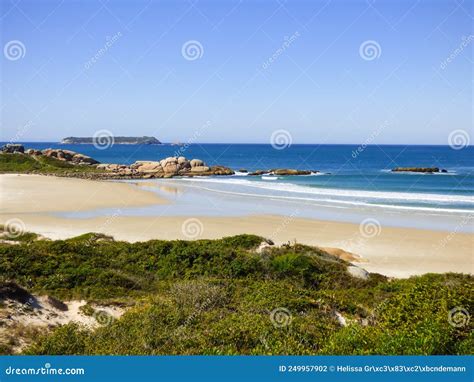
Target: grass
x=22 y=163
x=221 y=297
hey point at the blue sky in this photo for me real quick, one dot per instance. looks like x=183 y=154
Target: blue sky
x=264 y=66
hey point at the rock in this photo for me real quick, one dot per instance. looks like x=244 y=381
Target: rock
x=243 y=170
x=417 y=169
x=12 y=148
x=69 y=156
x=258 y=172
x=49 y=153
x=147 y=167
x=221 y=170
x=289 y=171
x=170 y=168
x=340 y=318
x=200 y=169
x=33 y=152
x=83 y=159
x=282 y=171
x=182 y=160
x=197 y=163
x=358 y=272
x=184 y=166
x=264 y=245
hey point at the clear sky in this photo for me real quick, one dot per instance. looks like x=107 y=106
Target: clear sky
x=369 y=71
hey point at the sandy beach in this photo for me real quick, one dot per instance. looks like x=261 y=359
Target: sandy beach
x=393 y=251
x=36 y=193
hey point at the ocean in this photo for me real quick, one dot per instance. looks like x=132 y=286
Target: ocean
x=348 y=174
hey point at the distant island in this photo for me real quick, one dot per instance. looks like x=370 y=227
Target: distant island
x=117 y=140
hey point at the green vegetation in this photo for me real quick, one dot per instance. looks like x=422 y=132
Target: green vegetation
x=222 y=297
x=22 y=163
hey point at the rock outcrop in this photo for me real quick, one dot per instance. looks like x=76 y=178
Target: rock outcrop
x=429 y=170
x=68 y=156
x=166 y=168
x=282 y=172
x=12 y=148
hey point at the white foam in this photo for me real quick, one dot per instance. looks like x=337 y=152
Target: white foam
x=335 y=195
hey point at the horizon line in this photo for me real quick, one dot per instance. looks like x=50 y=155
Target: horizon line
x=242 y=143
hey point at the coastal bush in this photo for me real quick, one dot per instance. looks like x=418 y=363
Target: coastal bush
x=22 y=163
x=222 y=297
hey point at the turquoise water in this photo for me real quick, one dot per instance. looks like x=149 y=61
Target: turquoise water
x=346 y=177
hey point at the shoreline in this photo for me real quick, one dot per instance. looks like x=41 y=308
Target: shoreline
x=393 y=251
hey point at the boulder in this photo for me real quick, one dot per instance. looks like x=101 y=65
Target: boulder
x=289 y=171
x=197 y=163
x=33 y=152
x=221 y=170
x=83 y=159
x=170 y=168
x=184 y=166
x=49 y=152
x=147 y=167
x=258 y=172
x=200 y=169
x=12 y=148
x=429 y=170
x=169 y=160
x=358 y=272
x=69 y=156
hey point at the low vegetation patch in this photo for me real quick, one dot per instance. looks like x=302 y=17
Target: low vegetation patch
x=22 y=163
x=222 y=297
